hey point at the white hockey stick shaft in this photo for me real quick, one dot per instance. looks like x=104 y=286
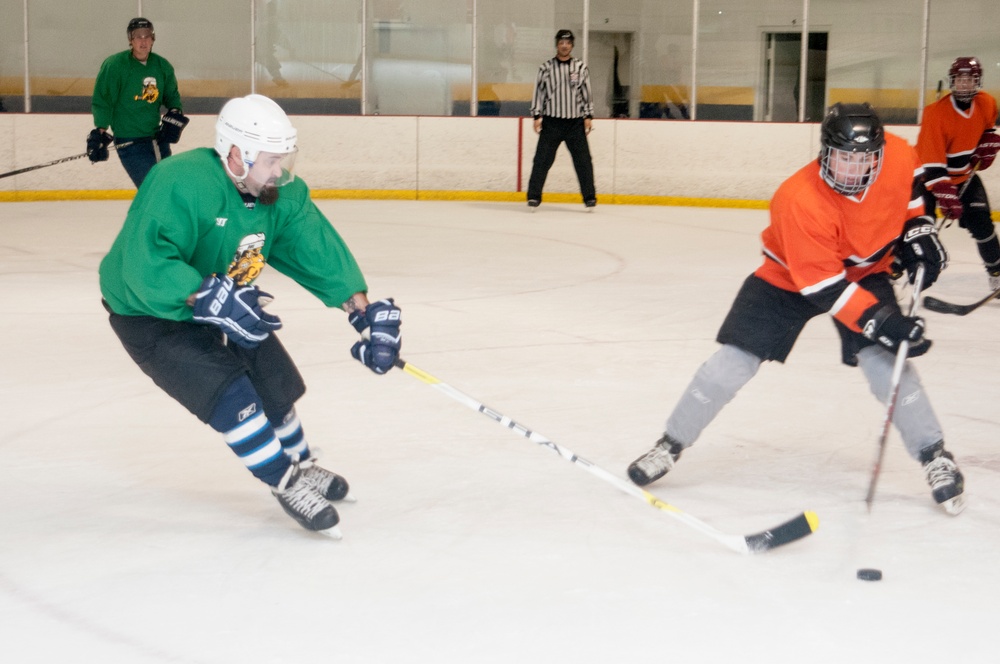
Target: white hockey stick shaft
x=28 y=169
x=897 y=378
x=802 y=525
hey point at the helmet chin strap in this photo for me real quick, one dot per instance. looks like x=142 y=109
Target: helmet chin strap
x=238 y=180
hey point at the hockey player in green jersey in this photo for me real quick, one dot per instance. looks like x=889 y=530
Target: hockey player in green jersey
x=130 y=89
x=178 y=283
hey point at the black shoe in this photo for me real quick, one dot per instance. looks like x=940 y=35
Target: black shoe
x=591 y=204
x=533 y=204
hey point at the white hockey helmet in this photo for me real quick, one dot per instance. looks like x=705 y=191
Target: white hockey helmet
x=256 y=124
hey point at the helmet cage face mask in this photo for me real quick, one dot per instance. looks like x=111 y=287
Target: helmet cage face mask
x=853 y=141
x=962 y=72
x=850 y=172
x=265 y=137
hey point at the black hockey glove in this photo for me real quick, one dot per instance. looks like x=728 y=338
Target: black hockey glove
x=171 y=125
x=97 y=145
x=237 y=310
x=919 y=243
x=886 y=326
x=379 y=348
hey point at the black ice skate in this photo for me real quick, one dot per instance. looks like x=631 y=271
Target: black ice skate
x=330 y=485
x=655 y=463
x=947 y=483
x=301 y=501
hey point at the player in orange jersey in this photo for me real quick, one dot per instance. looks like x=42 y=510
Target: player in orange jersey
x=957 y=135
x=836 y=227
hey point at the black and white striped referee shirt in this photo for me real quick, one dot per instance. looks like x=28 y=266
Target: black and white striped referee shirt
x=562 y=90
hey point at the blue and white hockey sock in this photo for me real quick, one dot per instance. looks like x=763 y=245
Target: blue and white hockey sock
x=293 y=439
x=239 y=417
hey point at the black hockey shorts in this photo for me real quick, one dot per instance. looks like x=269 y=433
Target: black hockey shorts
x=194 y=365
x=766 y=320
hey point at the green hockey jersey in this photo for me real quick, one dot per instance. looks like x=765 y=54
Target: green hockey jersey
x=188 y=221
x=128 y=94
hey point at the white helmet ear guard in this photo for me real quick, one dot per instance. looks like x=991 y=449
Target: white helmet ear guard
x=255 y=124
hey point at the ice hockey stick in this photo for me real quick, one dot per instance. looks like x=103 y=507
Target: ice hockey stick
x=794 y=529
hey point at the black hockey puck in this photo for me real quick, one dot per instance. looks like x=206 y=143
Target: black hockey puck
x=869 y=574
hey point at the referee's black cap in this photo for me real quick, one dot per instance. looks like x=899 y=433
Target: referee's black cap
x=565 y=34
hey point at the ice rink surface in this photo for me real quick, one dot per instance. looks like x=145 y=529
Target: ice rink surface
x=131 y=534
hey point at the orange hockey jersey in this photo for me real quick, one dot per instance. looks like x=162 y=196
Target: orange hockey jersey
x=821 y=243
x=948 y=137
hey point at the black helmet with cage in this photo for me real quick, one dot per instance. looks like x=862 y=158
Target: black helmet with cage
x=852 y=140
x=965 y=67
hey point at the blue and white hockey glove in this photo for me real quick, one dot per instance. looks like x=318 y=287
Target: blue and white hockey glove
x=379 y=348
x=237 y=310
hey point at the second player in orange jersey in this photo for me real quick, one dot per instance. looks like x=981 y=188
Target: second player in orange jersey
x=837 y=226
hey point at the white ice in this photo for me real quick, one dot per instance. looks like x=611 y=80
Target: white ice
x=130 y=533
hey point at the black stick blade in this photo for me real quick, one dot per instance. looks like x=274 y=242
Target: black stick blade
x=790 y=531
x=942 y=307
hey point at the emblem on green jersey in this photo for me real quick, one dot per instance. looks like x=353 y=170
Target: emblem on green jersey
x=150 y=91
x=249 y=261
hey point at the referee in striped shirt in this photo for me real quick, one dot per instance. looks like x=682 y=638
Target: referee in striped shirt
x=562 y=108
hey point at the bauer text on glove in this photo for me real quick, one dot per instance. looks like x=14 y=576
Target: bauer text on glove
x=237 y=310
x=379 y=347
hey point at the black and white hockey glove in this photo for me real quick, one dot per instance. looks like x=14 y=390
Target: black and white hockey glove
x=919 y=243
x=171 y=125
x=97 y=145
x=381 y=340
x=237 y=310
x=888 y=327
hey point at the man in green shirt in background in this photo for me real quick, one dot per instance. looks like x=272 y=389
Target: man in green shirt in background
x=130 y=89
x=178 y=283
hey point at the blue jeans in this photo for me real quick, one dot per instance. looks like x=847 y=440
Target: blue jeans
x=139 y=157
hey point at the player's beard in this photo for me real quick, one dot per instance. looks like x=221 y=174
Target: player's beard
x=268 y=195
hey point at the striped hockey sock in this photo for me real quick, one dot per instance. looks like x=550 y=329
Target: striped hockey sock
x=293 y=439
x=239 y=416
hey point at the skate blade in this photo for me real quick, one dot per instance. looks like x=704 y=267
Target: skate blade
x=954 y=506
x=349 y=498
x=332 y=533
